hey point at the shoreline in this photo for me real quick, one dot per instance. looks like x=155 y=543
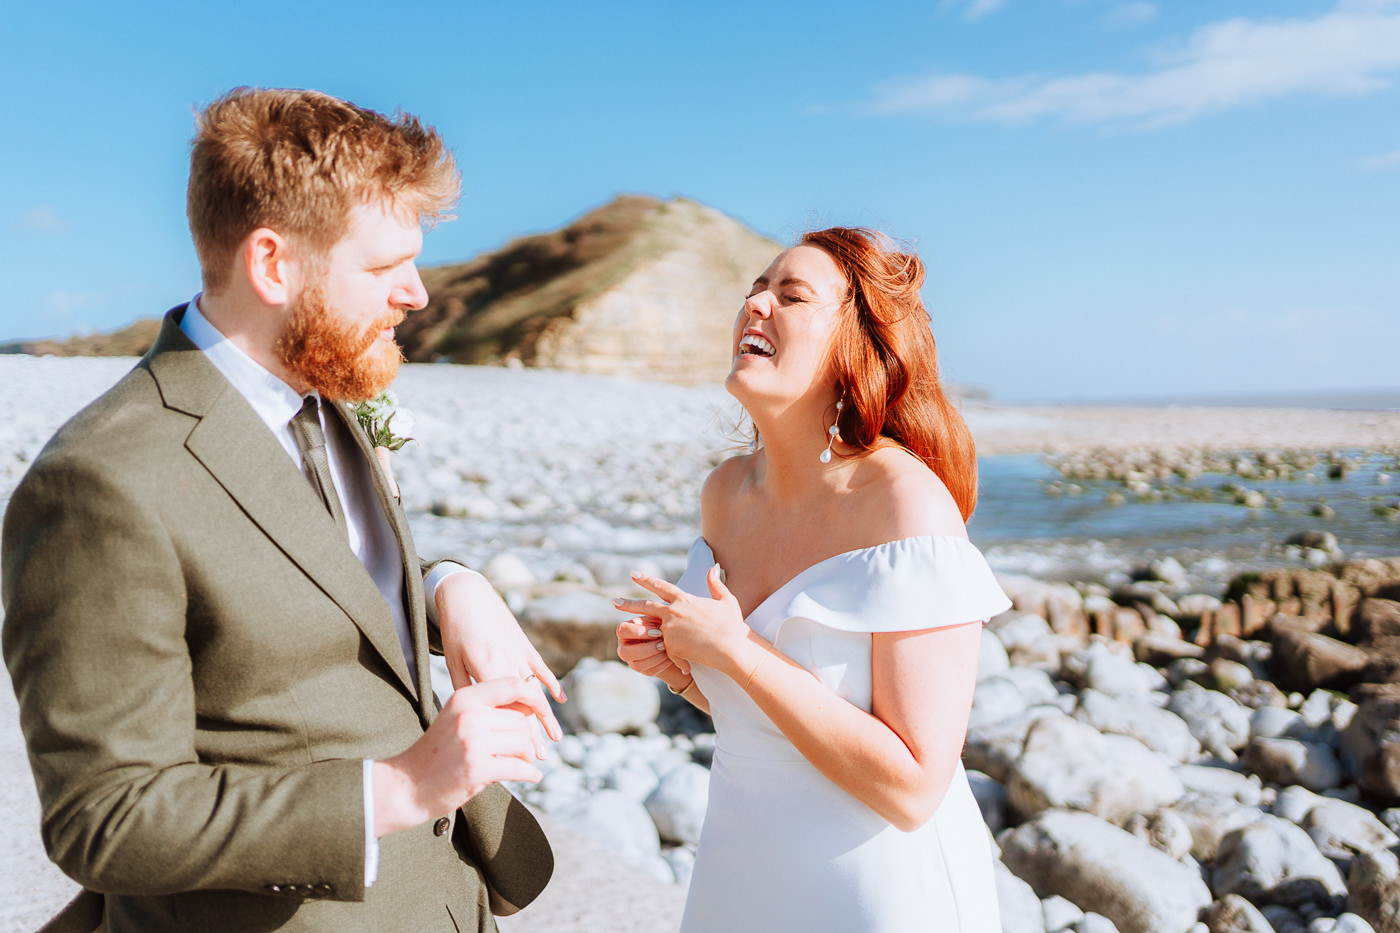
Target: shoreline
x=557 y=466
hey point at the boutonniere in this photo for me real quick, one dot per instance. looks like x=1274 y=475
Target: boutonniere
x=380 y=418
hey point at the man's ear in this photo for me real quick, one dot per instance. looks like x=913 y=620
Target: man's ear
x=267 y=259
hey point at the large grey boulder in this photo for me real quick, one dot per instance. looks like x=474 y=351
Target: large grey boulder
x=569 y=626
x=678 y=804
x=991 y=799
x=619 y=824
x=1219 y=723
x=1273 y=861
x=508 y=571
x=1304 y=660
x=1234 y=914
x=1095 y=923
x=993 y=748
x=1160 y=730
x=1164 y=830
x=1285 y=919
x=1291 y=761
x=1109 y=669
x=1274 y=722
x=1209 y=819
x=1373 y=887
x=1003 y=696
x=1017 y=903
x=1066 y=764
x=1294 y=802
x=1106 y=870
x=1028 y=640
x=1061 y=914
x=1059 y=604
x=991 y=658
x=608 y=696
x=1370 y=744
x=1220 y=782
x=1342 y=829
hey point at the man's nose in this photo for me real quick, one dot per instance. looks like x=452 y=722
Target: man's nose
x=410 y=294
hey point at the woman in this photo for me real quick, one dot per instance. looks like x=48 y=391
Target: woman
x=838 y=654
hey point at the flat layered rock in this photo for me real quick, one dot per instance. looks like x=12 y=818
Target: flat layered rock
x=1106 y=870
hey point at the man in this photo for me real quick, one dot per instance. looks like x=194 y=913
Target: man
x=216 y=624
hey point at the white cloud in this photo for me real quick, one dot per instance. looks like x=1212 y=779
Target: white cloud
x=41 y=219
x=64 y=304
x=971 y=9
x=980 y=8
x=1353 y=50
x=1133 y=13
x=1389 y=160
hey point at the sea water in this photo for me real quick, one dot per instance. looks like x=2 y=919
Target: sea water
x=1080 y=535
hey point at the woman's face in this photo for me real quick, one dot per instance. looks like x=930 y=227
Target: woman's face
x=782 y=332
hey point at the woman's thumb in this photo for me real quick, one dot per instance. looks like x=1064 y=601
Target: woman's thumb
x=715 y=579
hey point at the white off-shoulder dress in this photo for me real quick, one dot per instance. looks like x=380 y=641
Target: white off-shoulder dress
x=785 y=849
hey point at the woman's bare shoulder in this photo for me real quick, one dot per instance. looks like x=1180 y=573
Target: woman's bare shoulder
x=722 y=486
x=909 y=498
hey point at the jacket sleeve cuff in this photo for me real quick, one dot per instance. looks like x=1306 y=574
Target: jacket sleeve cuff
x=439 y=571
x=371 y=840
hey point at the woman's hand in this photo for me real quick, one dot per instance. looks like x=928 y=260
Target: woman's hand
x=693 y=628
x=639 y=644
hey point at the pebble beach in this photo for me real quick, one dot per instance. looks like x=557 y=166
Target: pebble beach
x=557 y=485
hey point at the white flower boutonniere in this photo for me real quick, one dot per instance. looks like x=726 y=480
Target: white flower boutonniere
x=379 y=418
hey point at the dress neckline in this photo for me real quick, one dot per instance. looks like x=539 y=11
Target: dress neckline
x=912 y=539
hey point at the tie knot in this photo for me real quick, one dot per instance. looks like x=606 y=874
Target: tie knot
x=306 y=425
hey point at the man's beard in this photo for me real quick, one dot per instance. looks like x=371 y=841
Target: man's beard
x=341 y=362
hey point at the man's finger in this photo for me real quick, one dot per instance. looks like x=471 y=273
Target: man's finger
x=546 y=676
x=505 y=691
x=514 y=769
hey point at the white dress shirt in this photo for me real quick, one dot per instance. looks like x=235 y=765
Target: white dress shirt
x=370 y=535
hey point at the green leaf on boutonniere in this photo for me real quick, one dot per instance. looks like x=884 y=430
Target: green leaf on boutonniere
x=381 y=416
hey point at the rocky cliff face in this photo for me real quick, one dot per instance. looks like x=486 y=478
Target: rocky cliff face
x=637 y=287
x=133 y=340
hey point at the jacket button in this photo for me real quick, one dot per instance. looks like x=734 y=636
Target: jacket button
x=441 y=827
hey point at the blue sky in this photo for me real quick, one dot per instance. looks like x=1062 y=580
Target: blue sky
x=1113 y=198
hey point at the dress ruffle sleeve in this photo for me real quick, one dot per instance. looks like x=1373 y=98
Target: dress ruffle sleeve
x=906 y=585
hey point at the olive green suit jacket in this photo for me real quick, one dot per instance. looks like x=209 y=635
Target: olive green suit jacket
x=202 y=664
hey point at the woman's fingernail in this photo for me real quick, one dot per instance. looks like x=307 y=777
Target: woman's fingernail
x=654 y=632
x=617 y=603
x=660 y=646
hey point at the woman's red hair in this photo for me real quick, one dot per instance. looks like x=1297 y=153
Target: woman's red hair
x=885 y=362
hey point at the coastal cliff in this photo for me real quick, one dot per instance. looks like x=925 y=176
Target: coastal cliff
x=637 y=287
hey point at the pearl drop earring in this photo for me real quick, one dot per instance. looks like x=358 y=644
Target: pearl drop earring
x=832 y=433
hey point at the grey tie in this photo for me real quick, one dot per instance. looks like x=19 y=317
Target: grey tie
x=306 y=428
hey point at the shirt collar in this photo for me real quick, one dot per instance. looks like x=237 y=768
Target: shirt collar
x=274 y=401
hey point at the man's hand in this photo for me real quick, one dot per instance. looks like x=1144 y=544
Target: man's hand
x=482 y=641
x=483 y=735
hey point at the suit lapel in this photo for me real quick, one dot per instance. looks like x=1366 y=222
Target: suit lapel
x=412 y=574
x=243 y=456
